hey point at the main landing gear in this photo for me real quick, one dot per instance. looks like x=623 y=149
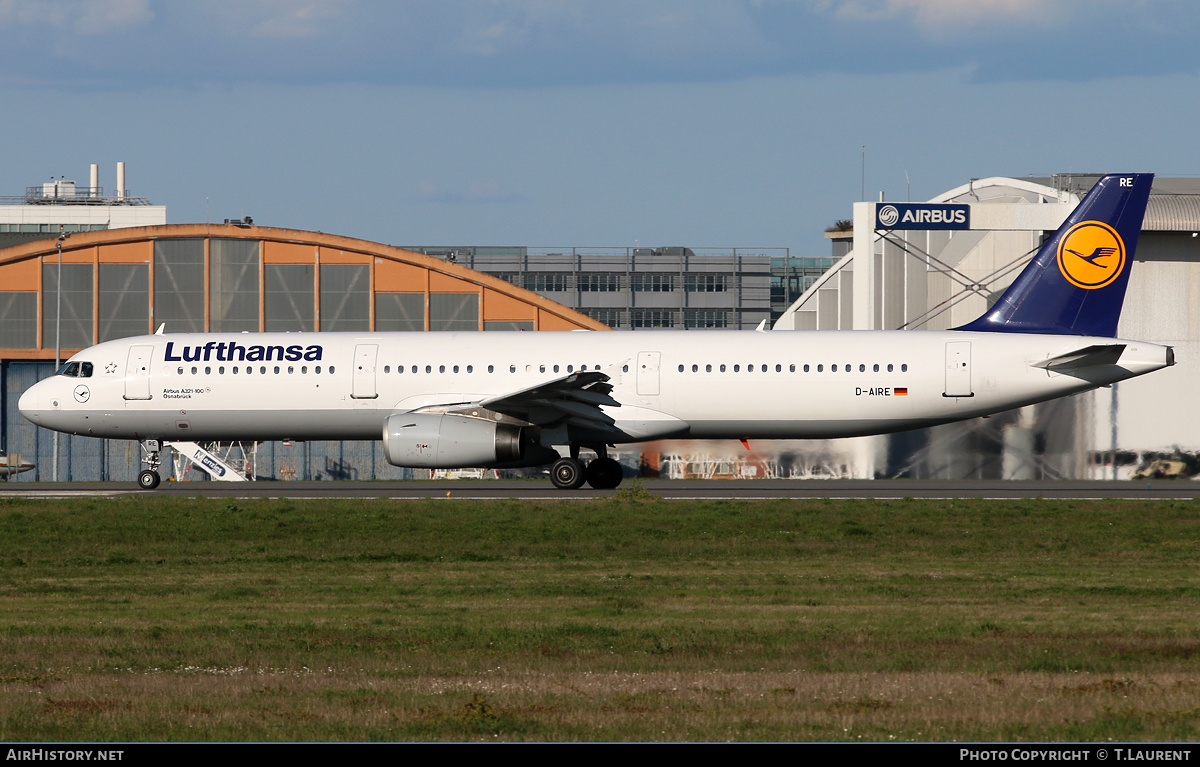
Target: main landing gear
x=148 y=479
x=602 y=473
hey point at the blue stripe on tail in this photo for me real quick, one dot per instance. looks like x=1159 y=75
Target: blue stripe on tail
x=1075 y=285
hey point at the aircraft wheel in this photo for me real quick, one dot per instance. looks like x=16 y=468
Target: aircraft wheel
x=567 y=473
x=604 y=474
x=148 y=480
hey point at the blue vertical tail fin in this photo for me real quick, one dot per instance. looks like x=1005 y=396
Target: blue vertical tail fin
x=1075 y=285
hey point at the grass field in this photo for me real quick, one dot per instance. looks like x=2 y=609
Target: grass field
x=624 y=619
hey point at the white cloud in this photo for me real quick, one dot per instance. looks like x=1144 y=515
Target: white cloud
x=934 y=15
x=85 y=17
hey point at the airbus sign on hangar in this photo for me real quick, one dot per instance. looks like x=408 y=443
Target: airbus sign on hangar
x=940 y=264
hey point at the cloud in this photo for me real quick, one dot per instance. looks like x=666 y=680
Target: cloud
x=940 y=14
x=84 y=17
x=549 y=43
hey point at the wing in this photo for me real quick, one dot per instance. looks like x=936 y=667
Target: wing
x=573 y=400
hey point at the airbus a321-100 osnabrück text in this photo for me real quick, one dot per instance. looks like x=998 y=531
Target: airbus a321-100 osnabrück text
x=455 y=400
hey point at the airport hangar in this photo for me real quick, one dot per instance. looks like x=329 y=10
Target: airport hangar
x=229 y=278
x=896 y=274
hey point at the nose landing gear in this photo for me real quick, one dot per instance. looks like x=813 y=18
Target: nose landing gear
x=148 y=479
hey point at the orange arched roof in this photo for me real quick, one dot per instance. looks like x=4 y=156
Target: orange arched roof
x=393 y=269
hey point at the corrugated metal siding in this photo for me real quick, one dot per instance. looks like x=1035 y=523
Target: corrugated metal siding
x=1172 y=213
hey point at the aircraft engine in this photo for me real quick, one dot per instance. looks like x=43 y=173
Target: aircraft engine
x=441 y=441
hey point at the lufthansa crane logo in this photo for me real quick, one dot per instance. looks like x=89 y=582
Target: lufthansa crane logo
x=1091 y=255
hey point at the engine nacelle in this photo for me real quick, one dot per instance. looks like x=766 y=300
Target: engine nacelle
x=442 y=441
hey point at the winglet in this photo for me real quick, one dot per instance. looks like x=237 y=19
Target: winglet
x=1075 y=285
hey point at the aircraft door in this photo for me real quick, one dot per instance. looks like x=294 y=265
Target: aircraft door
x=137 y=372
x=364 y=372
x=958 y=369
x=647 y=372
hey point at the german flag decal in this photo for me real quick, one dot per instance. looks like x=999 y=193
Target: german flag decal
x=901 y=391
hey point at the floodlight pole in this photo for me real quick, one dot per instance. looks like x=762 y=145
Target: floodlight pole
x=58 y=332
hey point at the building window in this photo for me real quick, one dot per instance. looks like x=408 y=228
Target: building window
x=653 y=283
x=545 y=282
x=614 y=318
x=653 y=318
x=288 y=297
x=706 y=318
x=454 y=311
x=346 y=297
x=599 y=283
x=706 y=283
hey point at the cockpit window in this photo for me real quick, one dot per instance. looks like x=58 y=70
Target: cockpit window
x=76 y=370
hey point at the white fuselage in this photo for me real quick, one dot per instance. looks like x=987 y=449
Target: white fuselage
x=694 y=384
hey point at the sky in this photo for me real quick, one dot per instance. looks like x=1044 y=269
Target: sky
x=557 y=123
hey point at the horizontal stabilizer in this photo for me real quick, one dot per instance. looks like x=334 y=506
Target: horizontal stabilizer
x=1088 y=356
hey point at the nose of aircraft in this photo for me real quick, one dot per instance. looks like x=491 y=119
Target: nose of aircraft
x=30 y=403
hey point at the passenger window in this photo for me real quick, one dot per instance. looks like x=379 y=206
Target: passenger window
x=316 y=369
x=904 y=368
x=862 y=368
x=681 y=368
x=889 y=367
x=806 y=368
x=722 y=368
x=207 y=371
x=276 y=370
x=331 y=368
x=708 y=368
x=262 y=370
x=386 y=368
x=193 y=371
x=749 y=368
x=737 y=368
x=875 y=369
x=820 y=368
x=832 y=368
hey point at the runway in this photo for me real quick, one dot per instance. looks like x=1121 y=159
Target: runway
x=667 y=489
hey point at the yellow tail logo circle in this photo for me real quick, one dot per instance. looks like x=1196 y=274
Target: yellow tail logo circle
x=1091 y=255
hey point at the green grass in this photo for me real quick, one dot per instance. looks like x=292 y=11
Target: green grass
x=623 y=619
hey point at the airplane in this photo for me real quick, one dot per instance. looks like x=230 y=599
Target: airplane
x=12 y=464
x=497 y=399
